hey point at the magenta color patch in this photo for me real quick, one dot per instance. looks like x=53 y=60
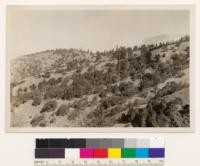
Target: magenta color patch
x=86 y=153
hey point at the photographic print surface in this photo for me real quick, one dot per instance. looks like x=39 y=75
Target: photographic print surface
x=98 y=67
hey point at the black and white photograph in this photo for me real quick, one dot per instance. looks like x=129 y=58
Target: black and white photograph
x=98 y=67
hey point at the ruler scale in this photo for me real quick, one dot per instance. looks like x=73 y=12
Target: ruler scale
x=100 y=152
x=100 y=162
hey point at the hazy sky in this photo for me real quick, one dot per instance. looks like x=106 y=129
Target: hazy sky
x=30 y=31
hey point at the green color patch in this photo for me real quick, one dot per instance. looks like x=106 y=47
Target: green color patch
x=128 y=153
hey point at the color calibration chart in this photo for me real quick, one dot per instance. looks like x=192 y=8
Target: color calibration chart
x=100 y=152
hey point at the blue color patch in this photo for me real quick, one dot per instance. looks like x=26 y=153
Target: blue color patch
x=142 y=153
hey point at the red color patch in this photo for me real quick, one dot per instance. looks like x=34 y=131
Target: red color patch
x=101 y=153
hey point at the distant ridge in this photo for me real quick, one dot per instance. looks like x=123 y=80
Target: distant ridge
x=160 y=38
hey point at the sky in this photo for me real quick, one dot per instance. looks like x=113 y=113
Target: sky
x=34 y=30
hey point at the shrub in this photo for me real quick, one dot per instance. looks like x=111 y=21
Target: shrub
x=46 y=75
x=157 y=105
x=149 y=80
x=36 y=101
x=164 y=70
x=173 y=105
x=49 y=106
x=123 y=67
x=81 y=86
x=167 y=114
x=102 y=94
x=169 y=88
x=96 y=118
x=109 y=102
x=67 y=93
x=155 y=109
x=23 y=97
x=42 y=85
x=52 y=81
x=138 y=117
x=73 y=114
x=52 y=120
x=113 y=110
x=124 y=118
x=115 y=90
x=59 y=80
x=62 y=110
x=32 y=87
x=36 y=120
x=25 y=89
x=42 y=124
x=126 y=89
x=53 y=92
x=186 y=109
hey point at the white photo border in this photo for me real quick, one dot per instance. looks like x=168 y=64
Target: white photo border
x=189 y=7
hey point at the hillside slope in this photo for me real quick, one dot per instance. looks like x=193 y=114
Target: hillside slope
x=143 y=86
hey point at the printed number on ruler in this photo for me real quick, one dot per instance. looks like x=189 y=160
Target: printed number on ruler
x=101 y=162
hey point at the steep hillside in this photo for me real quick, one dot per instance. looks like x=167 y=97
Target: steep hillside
x=143 y=86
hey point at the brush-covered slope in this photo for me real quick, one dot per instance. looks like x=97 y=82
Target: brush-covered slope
x=140 y=86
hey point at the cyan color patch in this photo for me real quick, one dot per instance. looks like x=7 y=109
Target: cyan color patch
x=142 y=153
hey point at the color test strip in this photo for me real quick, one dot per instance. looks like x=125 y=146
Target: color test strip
x=42 y=143
x=58 y=143
x=142 y=143
x=100 y=148
x=117 y=143
x=77 y=143
x=130 y=143
x=128 y=153
x=49 y=153
x=86 y=153
x=156 y=153
x=101 y=153
x=105 y=143
x=72 y=153
x=157 y=143
x=92 y=143
x=57 y=153
x=42 y=153
x=142 y=153
x=114 y=152
x=99 y=143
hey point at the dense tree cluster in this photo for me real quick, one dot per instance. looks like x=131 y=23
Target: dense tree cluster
x=158 y=113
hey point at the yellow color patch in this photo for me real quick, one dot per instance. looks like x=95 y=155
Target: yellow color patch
x=114 y=152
